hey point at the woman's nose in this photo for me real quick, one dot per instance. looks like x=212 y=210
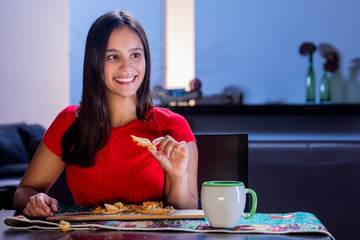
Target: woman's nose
x=125 y=63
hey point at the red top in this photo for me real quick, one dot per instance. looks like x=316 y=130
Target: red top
x=124 y=171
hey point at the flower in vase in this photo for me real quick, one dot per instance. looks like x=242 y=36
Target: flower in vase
x=331 y=65
x=307 y=48
x=332 y=62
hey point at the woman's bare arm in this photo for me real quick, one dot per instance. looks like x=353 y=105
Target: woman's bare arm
x=30 y=196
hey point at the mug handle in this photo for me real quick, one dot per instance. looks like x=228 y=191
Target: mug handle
x=254 y=203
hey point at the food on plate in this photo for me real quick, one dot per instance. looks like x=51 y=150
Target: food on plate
x=64 y=226
x=154 y=208
x=143 y=142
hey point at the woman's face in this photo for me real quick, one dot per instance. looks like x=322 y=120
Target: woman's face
x=124 y=63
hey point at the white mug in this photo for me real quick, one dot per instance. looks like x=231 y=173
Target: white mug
x=224 y=202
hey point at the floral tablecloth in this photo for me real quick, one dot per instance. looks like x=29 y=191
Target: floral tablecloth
x=266 y=223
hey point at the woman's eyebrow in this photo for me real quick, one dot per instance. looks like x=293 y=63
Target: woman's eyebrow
x=112 y=50
x=131 y=49
x=137 y=49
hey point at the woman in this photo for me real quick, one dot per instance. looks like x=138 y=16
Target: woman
x=93 y=141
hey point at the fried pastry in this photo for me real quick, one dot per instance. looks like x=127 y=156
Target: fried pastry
x=154 y=208
x=143 y=142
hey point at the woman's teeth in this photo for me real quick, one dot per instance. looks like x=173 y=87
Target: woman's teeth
x=125 y=79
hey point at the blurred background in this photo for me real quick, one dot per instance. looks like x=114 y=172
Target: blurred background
x=247 y=46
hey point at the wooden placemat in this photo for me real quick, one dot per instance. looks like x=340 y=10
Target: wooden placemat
x=90 y=216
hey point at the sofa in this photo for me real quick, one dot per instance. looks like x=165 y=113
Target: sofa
x=18 y=143
x=321 y=177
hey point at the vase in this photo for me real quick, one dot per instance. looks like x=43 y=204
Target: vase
x=310 y=82
x=325 y=88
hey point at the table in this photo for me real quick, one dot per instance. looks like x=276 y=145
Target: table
x=6 y=233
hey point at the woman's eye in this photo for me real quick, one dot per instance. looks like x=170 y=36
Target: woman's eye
x=136 y=55
x=112 y=57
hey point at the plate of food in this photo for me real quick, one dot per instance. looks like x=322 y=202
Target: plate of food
x=121 y=211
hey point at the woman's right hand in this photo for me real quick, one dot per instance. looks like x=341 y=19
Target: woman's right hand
x=40 y=206
x=42 y=172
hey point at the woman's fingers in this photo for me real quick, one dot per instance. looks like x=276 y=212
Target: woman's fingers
x=40 y=205
x=167 y=145
x=157 y=140
x=52 y=203
x=161 y=158
x=181 y=144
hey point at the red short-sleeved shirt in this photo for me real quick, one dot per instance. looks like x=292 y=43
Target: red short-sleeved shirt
x=124 y=171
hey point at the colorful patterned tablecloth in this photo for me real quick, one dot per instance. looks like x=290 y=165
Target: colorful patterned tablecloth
x=279 y=223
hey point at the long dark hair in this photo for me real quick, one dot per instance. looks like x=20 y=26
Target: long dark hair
x=89 y=132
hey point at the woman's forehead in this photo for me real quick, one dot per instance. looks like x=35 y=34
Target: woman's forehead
x=124 y=36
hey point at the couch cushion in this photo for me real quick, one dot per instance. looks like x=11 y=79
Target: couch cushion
x=12 y=148
x=11 y=182
x=278 y=152
x=10 y=170
x=280 y=187
x=28 y=133
x=33 y=146
x=335 y=197
x=32 y=131
x=279 y=173
x=317 y=176
x=334 y=184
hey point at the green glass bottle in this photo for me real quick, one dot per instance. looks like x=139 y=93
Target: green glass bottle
x=325 y=88
x=310 y=82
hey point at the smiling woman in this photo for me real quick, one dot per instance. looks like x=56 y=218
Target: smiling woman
x=93 y=141
x=82 y=15
x=124 y=65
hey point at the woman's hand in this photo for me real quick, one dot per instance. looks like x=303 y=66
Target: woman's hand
x=40 y=175
x=40 y=206
x=173 y=156
x=179 y=161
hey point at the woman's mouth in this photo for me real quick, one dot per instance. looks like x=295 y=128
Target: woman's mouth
x=125 y=80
